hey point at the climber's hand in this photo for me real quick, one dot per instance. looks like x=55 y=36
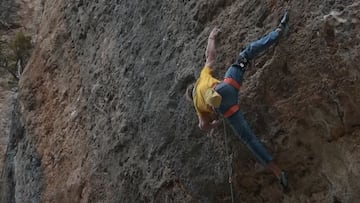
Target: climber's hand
x=214 y=33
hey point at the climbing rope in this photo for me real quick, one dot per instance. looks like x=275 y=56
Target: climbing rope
x=229 y=160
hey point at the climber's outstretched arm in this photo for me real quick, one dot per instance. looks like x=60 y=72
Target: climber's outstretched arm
x=210 y=52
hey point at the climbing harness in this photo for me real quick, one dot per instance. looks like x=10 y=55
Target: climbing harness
x=229 y=161
x=232 y=109
x=233 y=83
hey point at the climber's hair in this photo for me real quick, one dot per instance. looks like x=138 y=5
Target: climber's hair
x=189 y=92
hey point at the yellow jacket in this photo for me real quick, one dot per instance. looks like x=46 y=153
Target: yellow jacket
x=205 y=82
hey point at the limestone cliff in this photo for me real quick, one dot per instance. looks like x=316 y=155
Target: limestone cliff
x=101 y=114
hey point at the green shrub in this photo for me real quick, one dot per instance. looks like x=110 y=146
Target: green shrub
x=14 y=54
x=21 y=45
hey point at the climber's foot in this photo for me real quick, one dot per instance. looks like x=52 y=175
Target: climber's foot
x=284 y=26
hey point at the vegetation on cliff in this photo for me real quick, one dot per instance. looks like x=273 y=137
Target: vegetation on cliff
x=14 y=53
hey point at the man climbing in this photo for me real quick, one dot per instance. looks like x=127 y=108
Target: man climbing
x=211 y=96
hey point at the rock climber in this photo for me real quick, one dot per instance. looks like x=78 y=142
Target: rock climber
x=212 y=97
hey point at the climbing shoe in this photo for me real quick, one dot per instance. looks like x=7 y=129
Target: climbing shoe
x=284 y=181
x=284 y=23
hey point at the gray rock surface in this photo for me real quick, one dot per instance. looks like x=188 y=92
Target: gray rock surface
x=105 y=118
x=7 y=13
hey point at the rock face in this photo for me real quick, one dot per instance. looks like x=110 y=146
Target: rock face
x=7 y=20
x=5 y=95
x=101 y=114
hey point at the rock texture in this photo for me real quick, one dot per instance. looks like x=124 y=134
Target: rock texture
x=7 y=22
x=5 y=112
x=21 y=180
x=104 y=119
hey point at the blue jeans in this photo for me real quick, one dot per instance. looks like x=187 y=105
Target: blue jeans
x=230 y=98
x=252 y=50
